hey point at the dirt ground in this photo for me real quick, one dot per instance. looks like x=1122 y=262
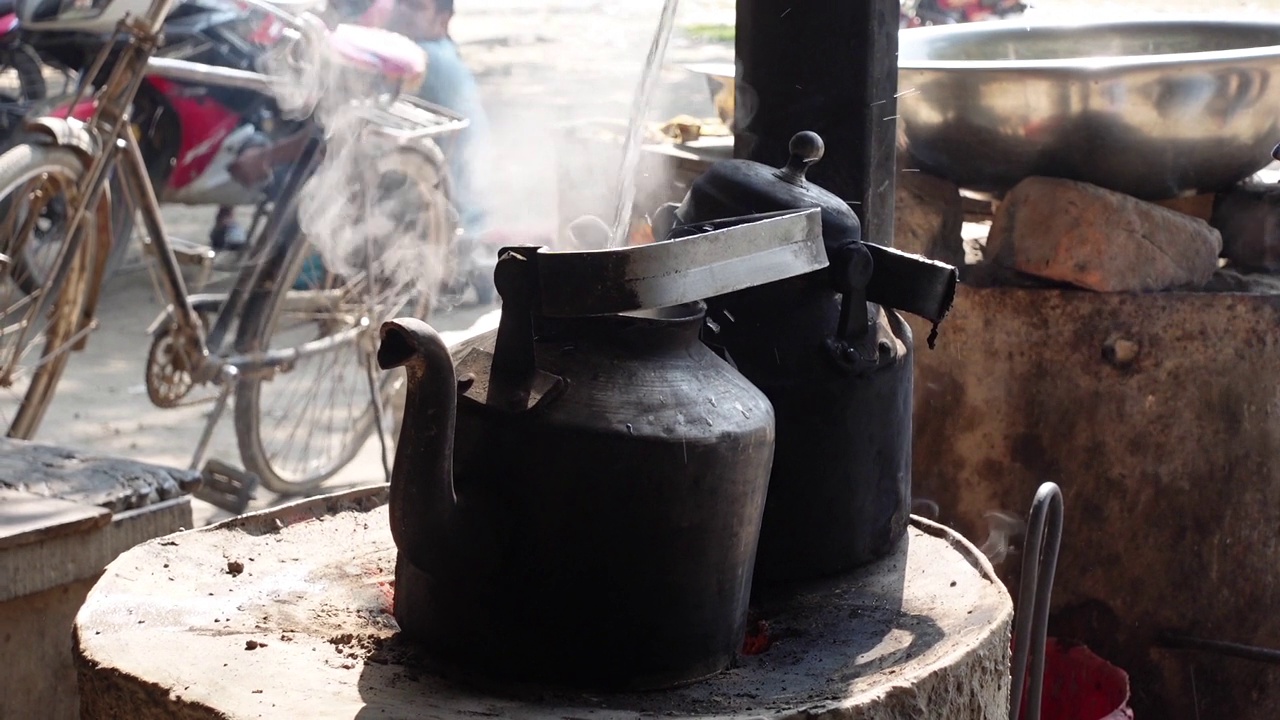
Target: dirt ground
x=541 y=63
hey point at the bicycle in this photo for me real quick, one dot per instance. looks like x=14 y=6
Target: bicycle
x=269 y=329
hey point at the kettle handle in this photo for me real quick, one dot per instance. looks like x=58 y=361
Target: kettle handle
x=914 y=284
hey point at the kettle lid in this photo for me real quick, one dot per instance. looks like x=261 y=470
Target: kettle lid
x=732 y=188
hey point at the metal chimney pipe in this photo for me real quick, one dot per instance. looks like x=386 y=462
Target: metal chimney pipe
x=830 y=66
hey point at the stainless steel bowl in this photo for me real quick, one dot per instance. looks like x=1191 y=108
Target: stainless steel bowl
x=1154 y=108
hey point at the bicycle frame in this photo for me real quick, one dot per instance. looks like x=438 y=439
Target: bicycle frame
x=108 y=141
x=111 y=145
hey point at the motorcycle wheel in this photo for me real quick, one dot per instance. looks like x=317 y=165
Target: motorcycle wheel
x=26 y=64
x=16 y=99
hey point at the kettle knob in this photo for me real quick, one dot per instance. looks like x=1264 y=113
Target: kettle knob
x=806 y=149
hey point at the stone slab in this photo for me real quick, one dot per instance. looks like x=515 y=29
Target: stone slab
x=68 y=557
x=1083 y=235
x=27 y=518
x=52 y=550
x=109 y=482
x=286 y=613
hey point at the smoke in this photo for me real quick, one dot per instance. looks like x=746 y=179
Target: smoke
x=1005 y=530
x=375 y=207
x=558 y=83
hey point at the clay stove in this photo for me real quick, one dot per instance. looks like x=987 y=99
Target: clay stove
x=286 y=613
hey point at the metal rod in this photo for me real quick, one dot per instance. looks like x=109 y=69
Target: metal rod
x=266 y=248
x=187 y=71
x=134 y=170
x=829 y=66
x=1031 y=621
x=111 y=113
x=287 y=356
x=227 y=380
x=303 y=21
x=156 y=15
x=1220 y=647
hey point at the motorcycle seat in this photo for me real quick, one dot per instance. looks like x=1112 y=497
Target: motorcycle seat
x=389 y=54
x=293 y=6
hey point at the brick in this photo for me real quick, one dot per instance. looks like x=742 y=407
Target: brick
x=1083 y=235
x=928 y=214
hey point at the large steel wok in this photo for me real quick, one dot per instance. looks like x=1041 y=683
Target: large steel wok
x=1154 y=108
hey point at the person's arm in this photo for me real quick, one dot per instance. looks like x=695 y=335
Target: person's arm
x=253 y=166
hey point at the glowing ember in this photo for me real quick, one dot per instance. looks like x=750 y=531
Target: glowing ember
x=757 y=640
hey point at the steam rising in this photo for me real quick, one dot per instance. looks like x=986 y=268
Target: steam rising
x=560 y=99
x=639 y=113
x=374 y=207
x=1004 y=530
x=554 y=67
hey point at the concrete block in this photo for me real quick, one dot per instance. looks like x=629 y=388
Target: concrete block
x=1156 y=414
x=305 y=631
x=64 y=516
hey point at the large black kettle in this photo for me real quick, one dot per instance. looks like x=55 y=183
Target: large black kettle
x=836 y=362
x=576 y=497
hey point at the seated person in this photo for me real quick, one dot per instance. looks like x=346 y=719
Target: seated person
x=450 y=84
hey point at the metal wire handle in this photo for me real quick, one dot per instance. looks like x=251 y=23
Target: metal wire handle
x=1031 y=623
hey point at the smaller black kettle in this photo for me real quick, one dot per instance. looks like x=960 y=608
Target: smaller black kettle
x=835 y=360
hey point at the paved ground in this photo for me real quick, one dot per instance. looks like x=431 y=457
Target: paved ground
x=541 y=63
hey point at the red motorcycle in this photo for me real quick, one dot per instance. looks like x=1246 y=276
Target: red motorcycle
x=918 y=13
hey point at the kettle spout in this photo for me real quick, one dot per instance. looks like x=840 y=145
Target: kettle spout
x=422 y=495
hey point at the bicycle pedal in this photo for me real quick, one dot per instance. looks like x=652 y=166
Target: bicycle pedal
x=226 y=486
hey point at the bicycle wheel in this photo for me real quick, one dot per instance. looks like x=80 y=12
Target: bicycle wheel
x=41 y=326
x=300 y=424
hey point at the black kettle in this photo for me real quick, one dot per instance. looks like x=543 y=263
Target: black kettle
x=577 y=495
x=835 y=360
